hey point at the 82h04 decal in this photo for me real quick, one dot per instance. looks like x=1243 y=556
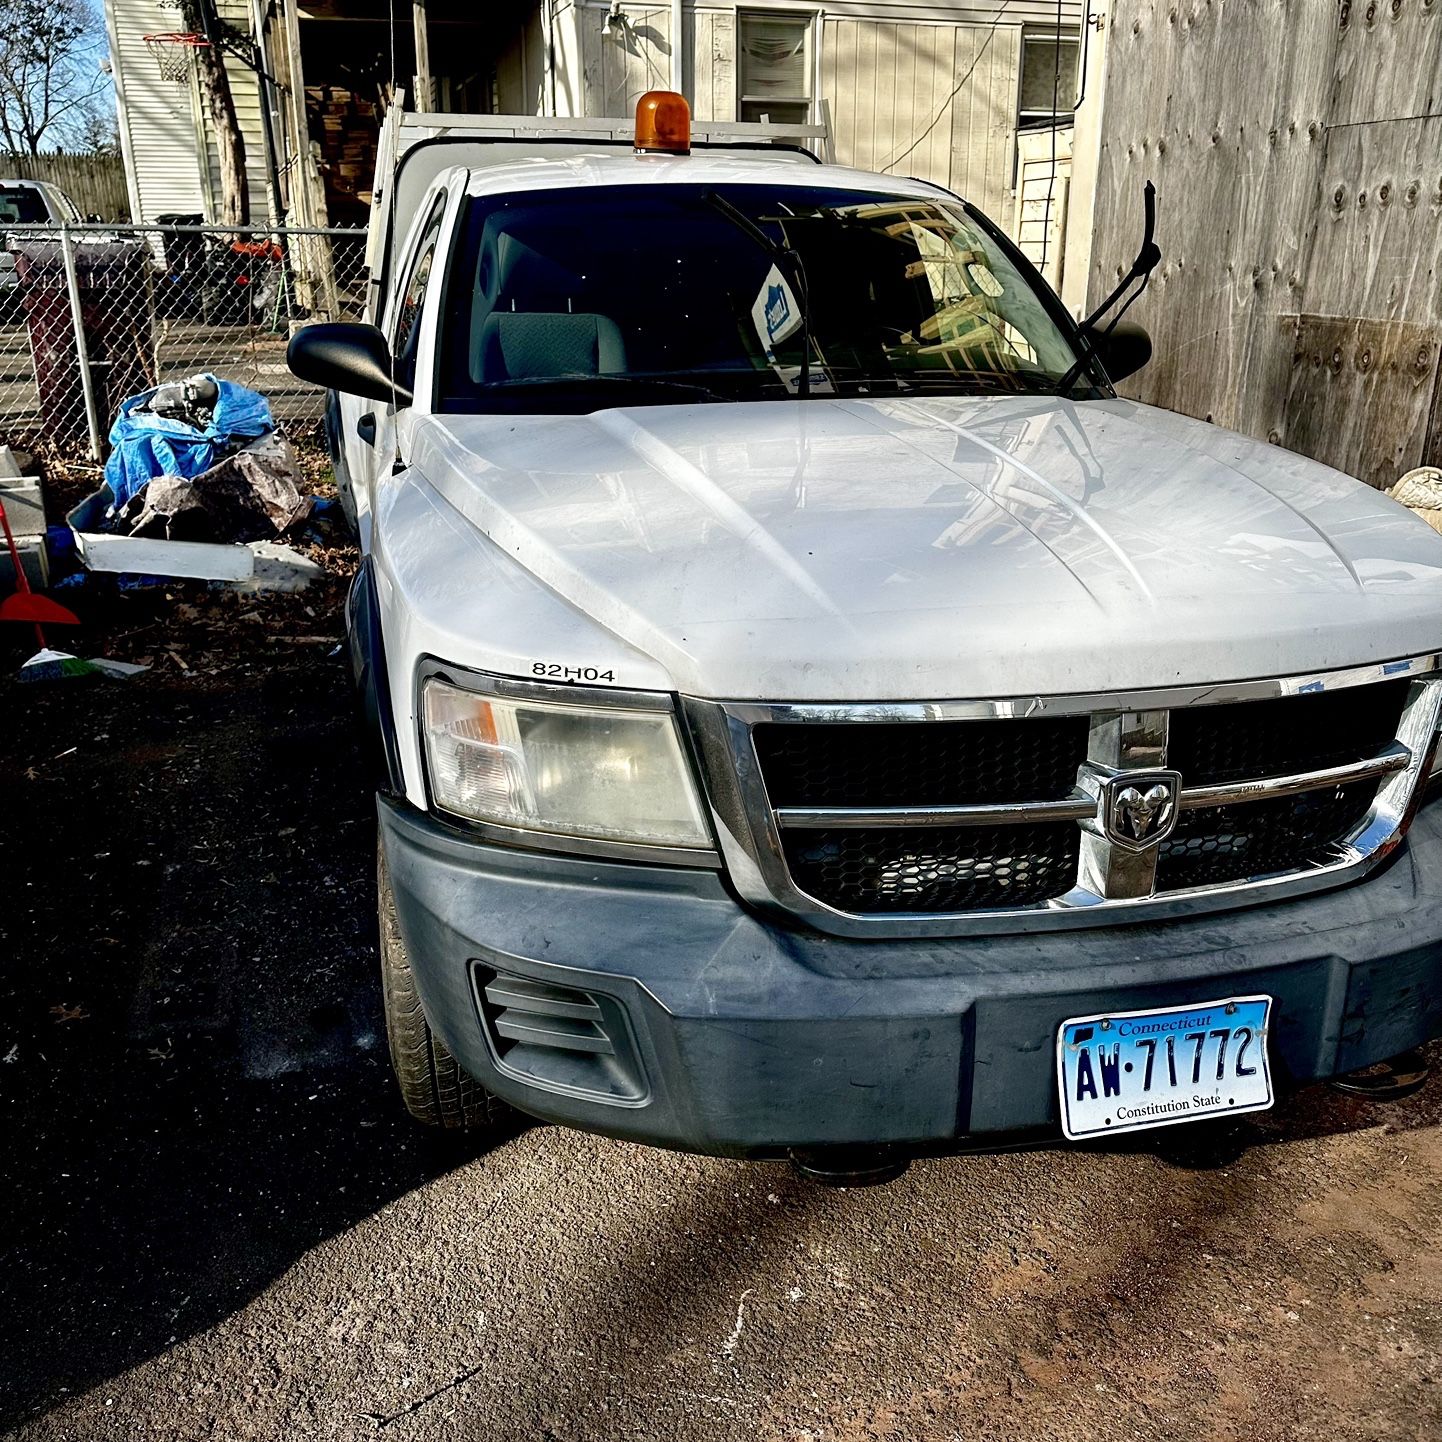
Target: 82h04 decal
x=555 y=671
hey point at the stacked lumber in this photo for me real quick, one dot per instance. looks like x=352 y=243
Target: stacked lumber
x=345 y=125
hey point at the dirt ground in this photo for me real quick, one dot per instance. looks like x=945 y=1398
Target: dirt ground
x=217 y=1221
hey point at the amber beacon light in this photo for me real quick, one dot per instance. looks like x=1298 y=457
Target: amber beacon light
x=663 y=123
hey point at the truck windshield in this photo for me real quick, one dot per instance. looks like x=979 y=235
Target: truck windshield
x=579 y=299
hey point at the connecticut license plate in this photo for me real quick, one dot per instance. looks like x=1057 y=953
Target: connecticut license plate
x=1134 y=1069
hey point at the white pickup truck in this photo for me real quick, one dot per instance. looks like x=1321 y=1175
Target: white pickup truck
x=818 y=716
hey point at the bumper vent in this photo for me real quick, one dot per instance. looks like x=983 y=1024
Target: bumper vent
x=559 y=1037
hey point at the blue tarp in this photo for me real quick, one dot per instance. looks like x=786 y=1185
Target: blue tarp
x=145 y=446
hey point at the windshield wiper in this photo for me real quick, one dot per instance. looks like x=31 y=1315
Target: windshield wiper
x=1148 y=258
x=943 y=381
x=784 y=255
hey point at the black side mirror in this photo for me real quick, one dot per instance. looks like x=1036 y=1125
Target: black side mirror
x=345 y=357
x=1123 y=349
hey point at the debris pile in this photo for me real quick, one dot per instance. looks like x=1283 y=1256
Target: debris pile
x=201 y=460
x=249 y=496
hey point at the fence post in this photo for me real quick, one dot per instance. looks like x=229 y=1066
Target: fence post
x=82 y=350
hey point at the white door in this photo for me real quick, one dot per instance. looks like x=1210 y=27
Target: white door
x=369 y=427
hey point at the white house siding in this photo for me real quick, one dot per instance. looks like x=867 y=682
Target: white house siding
x=245 y=91
x=162 y=136
x=158 y=132
x=983 y=118
x=1042 y=199
x=896 y=101
x=711 y=63
x=950 y=12
x=881 y=83
x=618 y=69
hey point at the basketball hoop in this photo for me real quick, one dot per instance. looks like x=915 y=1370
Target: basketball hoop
x=172 y=53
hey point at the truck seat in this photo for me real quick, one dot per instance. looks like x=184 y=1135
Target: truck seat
x=519 y=345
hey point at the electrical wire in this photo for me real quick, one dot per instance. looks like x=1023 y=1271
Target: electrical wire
x=1055 y=109
x=956 y=90
x=392 y=8
x=1086 y=50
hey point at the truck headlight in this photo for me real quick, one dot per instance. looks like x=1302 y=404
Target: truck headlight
x=558 y=766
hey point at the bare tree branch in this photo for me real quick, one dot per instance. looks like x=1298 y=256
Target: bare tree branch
x=47 y=69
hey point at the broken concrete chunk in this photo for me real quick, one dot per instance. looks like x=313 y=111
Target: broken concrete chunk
x=1420 y=490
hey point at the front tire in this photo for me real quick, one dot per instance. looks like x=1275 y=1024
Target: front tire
x=433 y=1086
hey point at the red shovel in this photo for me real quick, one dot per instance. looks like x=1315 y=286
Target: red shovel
x=24 y=604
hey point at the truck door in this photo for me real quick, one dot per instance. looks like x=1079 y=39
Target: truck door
x=369 y=427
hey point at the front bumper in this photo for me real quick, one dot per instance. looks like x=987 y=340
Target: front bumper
x=750 y=1037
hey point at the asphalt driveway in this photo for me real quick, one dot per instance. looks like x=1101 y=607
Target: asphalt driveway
x=218 y=1222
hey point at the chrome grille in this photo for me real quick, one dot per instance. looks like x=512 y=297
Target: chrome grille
x=898 y=764
x=1246 y=740
x=946 y=817
x=1216 y=845
x=901 y=869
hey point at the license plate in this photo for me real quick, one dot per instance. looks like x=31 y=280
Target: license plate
x=1127 y=1070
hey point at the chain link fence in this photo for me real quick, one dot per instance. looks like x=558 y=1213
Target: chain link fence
x=92 y=314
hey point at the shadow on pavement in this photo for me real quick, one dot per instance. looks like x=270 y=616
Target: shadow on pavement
x=193 y=1080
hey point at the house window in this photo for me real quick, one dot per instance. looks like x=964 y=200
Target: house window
x=774 y=70
x=1048 y=77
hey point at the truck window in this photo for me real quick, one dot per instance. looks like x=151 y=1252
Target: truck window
x=22 y=205
x=575 y=293
x=405 y=339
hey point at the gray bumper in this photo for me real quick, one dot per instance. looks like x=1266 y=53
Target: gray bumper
x=751 y=1037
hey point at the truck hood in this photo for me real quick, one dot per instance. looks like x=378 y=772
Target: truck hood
x=839 y=549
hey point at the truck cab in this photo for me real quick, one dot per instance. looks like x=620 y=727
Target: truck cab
x=31 y=203
x=819 y=717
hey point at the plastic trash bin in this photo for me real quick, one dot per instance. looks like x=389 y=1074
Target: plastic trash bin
x=180 y=287
x=117 y=308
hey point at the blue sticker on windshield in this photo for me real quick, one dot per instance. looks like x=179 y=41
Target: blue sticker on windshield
x=778 y=310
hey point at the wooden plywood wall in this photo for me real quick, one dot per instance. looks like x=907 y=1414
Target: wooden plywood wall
x=1296 y=146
